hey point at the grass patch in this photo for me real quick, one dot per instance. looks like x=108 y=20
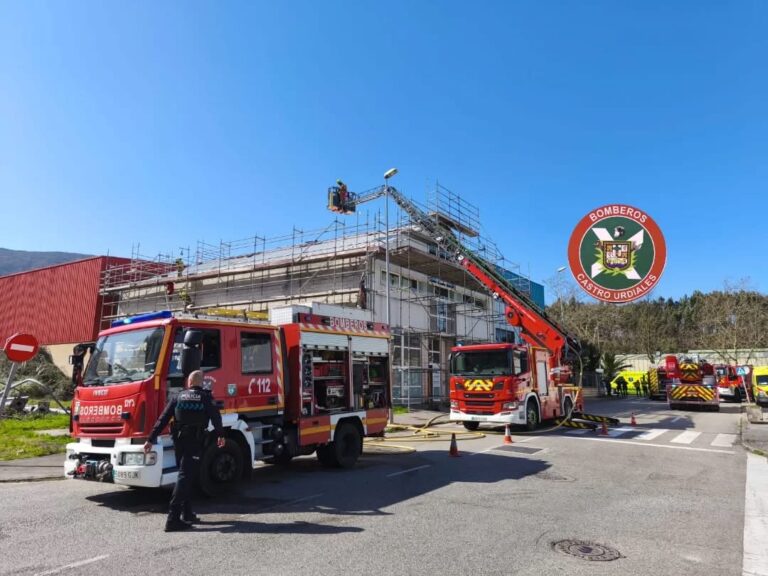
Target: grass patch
x=400 y=409
x=19 y=440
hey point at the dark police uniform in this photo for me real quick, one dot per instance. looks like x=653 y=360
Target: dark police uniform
x=191 y=410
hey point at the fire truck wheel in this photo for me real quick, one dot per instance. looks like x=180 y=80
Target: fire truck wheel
x=471 y=426
x=531 y=416
x=347 y=445
x=220 y=468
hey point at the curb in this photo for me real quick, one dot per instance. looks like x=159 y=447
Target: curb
x=25 y=480
x=746 y=446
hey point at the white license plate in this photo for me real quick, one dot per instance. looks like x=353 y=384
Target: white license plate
x=127 y=474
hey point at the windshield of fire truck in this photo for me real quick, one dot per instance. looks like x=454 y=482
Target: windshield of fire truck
x=124 y=357
x=485 y=362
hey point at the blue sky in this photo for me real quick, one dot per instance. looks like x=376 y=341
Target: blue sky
x=164 y=123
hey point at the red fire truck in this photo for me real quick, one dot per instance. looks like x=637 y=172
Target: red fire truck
x=303 y=384
x=513 y=384
x=729 y=384
x=690 y=383
x=496 y=383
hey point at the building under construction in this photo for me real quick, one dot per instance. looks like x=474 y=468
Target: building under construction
x=434 y=303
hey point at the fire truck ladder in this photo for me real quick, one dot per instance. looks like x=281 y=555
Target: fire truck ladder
x=538 y=328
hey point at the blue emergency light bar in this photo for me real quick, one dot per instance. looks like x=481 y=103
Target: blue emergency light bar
x=142 y=318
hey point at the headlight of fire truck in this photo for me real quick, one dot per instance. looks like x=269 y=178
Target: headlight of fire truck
x=138 y=459
x=454 y=404
x=509 y=406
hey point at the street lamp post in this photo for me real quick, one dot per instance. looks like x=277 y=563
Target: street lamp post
x=387 y=175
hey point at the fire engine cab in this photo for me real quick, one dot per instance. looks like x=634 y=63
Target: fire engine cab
x=300 y=384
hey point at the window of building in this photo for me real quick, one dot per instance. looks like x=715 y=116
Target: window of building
x=442 y=317
x=256 y=353
x=434 y=351
x=407 y=349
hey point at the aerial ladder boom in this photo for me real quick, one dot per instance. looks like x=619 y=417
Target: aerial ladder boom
x=537 y=328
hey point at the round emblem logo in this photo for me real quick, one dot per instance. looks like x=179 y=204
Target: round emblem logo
x=617 y=253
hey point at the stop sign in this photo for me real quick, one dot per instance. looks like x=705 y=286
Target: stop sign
x=21 y=347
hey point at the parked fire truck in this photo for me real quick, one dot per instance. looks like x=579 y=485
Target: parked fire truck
x=303 y=383
x=496 y=383
x=730 y=385
x=657 y=383
x=690 y=383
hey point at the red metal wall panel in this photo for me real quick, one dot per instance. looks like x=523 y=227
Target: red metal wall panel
x=59 y=304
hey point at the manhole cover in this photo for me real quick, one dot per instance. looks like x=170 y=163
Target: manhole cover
x=587 y=550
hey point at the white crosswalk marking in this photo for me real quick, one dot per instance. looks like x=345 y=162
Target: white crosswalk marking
x=619 y=431
x=724 y=440
x=651 y=434
x=686 y=437
x=578 y=432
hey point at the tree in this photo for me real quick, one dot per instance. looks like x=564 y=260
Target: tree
x=612 y=366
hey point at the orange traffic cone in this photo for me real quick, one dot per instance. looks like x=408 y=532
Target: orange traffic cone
x=454 y=451
x=507 y=435
x=632 y=421
x=604 y=430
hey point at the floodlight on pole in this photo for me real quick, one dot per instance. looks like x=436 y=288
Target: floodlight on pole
x=387 y=175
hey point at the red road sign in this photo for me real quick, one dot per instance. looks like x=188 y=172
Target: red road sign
x=21 y=347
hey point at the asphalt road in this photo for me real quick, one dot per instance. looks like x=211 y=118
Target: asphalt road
x=667 y=497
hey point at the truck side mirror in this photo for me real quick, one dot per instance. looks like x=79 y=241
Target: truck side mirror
x=191 y=353
x=71 y=360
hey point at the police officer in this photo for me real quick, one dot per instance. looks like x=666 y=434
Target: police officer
x=191 y=410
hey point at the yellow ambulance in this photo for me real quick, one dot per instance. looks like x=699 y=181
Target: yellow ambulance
x=760 y=385
x=632 y=378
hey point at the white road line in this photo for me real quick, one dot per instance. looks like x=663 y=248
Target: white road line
x=619 y=431
x=633 y=443
x=651 y=434
x=755 y=561
x=677 y=419
x=578 y=432
x=686 y=437
x=73 y=565
x=408 y=470
x=724 y=440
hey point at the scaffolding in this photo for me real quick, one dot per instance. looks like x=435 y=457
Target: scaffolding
x=435 y=303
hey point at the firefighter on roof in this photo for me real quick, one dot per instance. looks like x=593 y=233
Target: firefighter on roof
x=191 y=410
